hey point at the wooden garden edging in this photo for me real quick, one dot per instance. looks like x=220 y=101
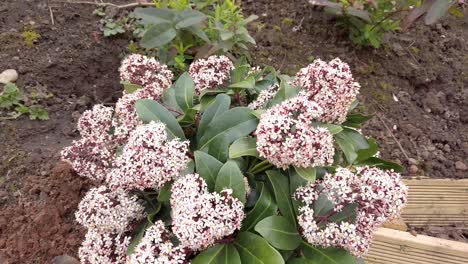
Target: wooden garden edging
x=397 y=247
x=436 y=202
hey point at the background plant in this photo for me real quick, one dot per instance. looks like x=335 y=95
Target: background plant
x=12 y=103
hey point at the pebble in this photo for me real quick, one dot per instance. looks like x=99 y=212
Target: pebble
x=9 y=75
x=413 y=169
x=64 y=259
x=460 y=166
x=412 y=161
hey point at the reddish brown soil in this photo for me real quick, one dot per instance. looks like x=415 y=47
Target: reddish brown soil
x=425 y=69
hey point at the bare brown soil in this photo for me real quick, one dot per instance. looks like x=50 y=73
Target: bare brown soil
x=425 y=69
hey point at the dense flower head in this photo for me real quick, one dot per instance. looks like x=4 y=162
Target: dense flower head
x=285 y=135
x=149 y=160
x=127 y=118
x=144 y=71
x=331 y=85
x=108 y=211
x=211 y=72
x=376 y=195
x=103 y=248
x=201 y=218
x=264 y=96
x=156 y=247
x=96 y=123
x=90 y=158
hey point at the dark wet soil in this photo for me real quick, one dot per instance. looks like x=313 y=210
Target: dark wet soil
x=416 y=84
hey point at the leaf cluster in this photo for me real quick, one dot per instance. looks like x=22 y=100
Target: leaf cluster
x=11 y=101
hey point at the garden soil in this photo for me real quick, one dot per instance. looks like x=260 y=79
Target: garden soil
x=416 y=85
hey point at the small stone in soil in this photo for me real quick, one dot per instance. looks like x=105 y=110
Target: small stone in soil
x=460 y=166
x=413 y=169
x=65 y=259
x=9 y=75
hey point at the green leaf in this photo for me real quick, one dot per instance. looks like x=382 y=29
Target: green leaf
x=308 y=174
x=188 y=18
x=138 y=236
x=356 y=120
x=437 y=11
x=169 y=99
x=285 y=92
x=280 y=185
x=248 y=83
x=164 y=194
x=334 y=129
x=253 y=249
x=188 y=118
x=158 y=36
x=38 y=113
x=184 y=89
x=279 y=232
x=301 y=261
x=350 y=142
x=322 y=205
x=382 y=164
x=347 y=213
x=153 y=15
x=327 y=255
x=259 y=112
x=219 y=148
x=295 y=181
x=364 y=154
x=246 y=146
x=231 y=177
x=130 y=87
x=218 y=254
x=208 y=168
x=149 y=110
x=218 y=107
x=232 y=124
x=264 y=207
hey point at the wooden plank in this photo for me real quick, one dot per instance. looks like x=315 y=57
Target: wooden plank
x=436 y=202
x=398 y=247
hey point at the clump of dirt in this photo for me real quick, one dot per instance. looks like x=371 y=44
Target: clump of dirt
x=416 y=84
x=42 y=224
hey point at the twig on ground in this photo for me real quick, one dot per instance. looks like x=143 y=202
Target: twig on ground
x=393 y=136
x=130 y=5
x=51 y=15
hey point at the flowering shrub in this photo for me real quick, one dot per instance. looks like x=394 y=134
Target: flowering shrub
x=232 y=164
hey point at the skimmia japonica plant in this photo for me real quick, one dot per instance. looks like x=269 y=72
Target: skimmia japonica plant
x=232 y=164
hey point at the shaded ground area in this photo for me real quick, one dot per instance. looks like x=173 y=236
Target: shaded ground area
x=424 y=69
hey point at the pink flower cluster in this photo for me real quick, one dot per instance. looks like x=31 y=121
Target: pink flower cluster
x=264 y=96
x=376 y=194
x=103 y=248
x=210 y=73
x=92 y=155
x=285 y=135
x=156 y=247
x=108 y=211
x=331 y=85
x=149 y=160
x=154 y=78
x=201 y=218
x=146 y=72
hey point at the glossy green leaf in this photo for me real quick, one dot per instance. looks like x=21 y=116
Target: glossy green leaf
x=218 y=107
x=208 y=168
x=253 y=249
x=301 y=261
x=164 y=194
x=348 y=213
x=169 y=101
x=158 y=36
x=264 y=207
x=248 y=83
x=356 y=120
x=231 y=177
x=382 y=164
x=219 y=148
x=149 y=110
x=218 y=254
x=334 y=129
x=308 y=174
x=184 y=89
x=350 y=142
x=365 y=154
x=295 y=181
x=327 y=255
x=280 y=185
x=279 y=232
x=232 y=124
x=246 y=146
